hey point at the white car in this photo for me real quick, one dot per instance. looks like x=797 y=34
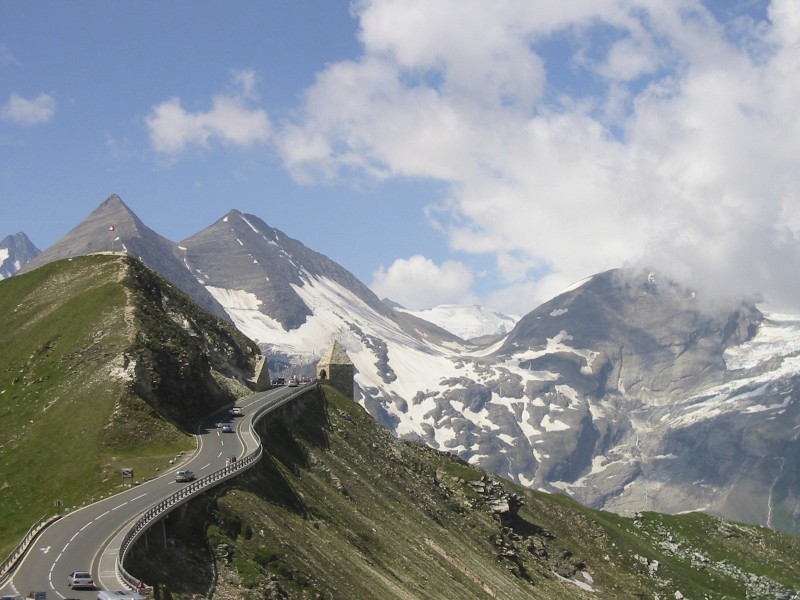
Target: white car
x=80 y=579
x=236 y=411
x=227 y=428
x=119 y=595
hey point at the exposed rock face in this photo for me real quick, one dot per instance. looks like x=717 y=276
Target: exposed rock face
x=15 y=252
x=646 y=338
x=629 y=394
x=242 y=253
x=186 y=360
x=289 y=298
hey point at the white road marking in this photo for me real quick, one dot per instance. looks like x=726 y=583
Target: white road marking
x=45 y=550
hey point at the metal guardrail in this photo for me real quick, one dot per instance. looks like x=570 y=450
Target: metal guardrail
x=195 y=488
x=11 y=561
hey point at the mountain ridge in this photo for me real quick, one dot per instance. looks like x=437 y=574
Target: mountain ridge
x=105 y=365
x=113 y=226
x=605 y=392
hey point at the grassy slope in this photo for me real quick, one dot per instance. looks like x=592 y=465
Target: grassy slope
x=70 y=418
x=340 y=509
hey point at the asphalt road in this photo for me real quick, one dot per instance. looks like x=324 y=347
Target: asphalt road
x=87 y=539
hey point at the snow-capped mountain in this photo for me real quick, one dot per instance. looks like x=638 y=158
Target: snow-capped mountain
x=596 y=393
x=629 y=394
x=113 y=227
x=15 y=252
x=467 y=321
x=625 y=391
x=293 y=301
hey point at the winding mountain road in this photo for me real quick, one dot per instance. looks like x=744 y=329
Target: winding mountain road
x=89 y=539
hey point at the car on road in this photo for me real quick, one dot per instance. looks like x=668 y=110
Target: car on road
x=236 y=411
x=293 y=383
x=278 y=381
x=119 y=595
x=80 y=579
x=227 y=428
x=184 y=475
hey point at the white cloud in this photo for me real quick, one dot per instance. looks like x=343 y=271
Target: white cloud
x=666 y=137
x=418 y=282
x=231 y=120
x=28 y=112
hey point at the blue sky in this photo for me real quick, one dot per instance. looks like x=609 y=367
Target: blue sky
x=449 y=151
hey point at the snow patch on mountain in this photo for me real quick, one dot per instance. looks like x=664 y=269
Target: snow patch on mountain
x=466 y=321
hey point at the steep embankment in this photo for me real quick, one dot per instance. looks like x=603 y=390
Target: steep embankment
x=338 y=508
x=103 y=365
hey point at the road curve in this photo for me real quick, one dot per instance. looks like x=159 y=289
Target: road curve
x=90 y=538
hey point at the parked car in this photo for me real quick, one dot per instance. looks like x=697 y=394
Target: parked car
x=227 y=428
x=80 y=579
x=236 y=411
x=184 y=475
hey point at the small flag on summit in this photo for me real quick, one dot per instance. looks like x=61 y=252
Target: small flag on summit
x=111 y=228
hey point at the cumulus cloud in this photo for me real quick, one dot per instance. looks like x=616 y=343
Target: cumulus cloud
x=666 y=136
x=418 y=282
x=231 y=120
x=28 y=112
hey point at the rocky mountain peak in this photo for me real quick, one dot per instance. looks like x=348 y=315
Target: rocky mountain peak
x=645 y=332
x=114 y=227
x=15 y=252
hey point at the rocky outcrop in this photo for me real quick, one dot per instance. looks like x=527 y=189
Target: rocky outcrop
x=186 y=360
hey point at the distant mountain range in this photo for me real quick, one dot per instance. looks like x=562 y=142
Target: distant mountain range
x=625 y=391
x=15 y=252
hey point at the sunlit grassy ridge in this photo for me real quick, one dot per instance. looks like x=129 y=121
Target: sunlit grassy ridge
x=338 y=508
x=82 y=347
